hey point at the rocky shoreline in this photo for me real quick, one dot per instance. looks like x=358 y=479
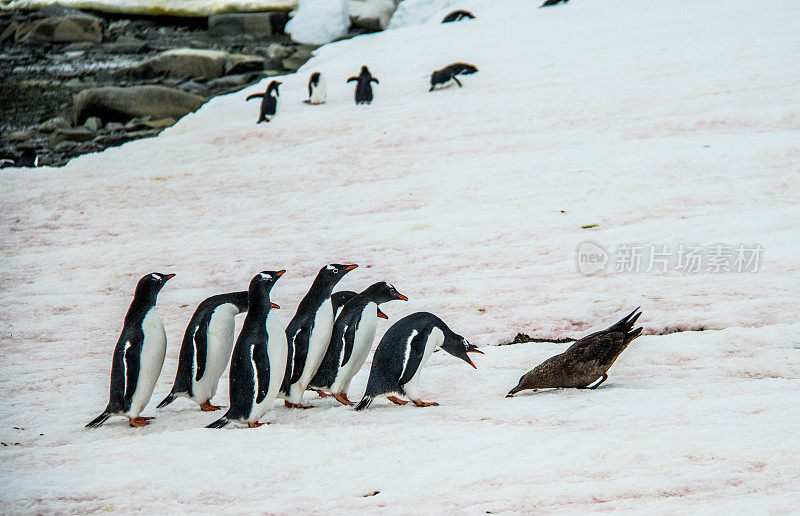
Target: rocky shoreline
x=75 y=82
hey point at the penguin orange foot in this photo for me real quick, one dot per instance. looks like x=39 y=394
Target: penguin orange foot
x=421 y=403
x=140 y=421
x=341 y=397
x=322 y=394
x=206 y=406
x=396 y=400
x=289 y=404
x=256 y=424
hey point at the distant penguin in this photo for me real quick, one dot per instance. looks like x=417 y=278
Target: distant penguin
x=27 y=158
x=583 y=363
x=458 y=16
x=269 y=103
x=364 y=86
x=448 y=73
x=316 y=89
x=353 y=334
x=138 y=356
x=548 y=3
x=259 y=357
x=309 y=333
x=206 y=349
x=403 y=351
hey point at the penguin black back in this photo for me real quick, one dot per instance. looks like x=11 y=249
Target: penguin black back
x=549 y=3
x=458 y=16
x=312 y=81
x=448 y=73
x=364 y=82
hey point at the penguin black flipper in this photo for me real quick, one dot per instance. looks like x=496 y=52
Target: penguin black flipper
x=132 y=358
x=201 y=344
x=301 y=351
x=375 y=80
x=261 y=362
x=350 y=336
x=351 y=79
x=415 y=355
x=254 y=96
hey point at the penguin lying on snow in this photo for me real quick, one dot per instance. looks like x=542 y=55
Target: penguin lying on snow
x=269 y=103
x=309 y=333
x=364 y=86
x=548 y=3
x=259 y=357
x=316 y=89
x=353 y=334
x=206 y=349
x=458 y=16
x=138 y=356
x=448 y=73
x=586 y=361
x=403 y=351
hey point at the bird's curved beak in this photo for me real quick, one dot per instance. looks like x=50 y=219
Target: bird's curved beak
x=273 y=305
x=382 y=315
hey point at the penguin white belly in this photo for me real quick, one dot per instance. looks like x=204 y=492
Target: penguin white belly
x=318 y=92
x=435 y=339
x=277 y=351
x=317 y=346
x=154 y=348
x=364 y=337
x=219 y=345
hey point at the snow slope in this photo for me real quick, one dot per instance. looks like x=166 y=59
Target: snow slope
x=663 y=123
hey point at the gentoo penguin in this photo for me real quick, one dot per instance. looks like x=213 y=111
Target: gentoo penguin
x=548 y=3
x=448 y=73
x=403 y=351
x=269 y=103
x=458 y=16
x=316 y=89
x=584 y=362
x=206 y=349
x=363 y=86
x=259 y=357
x=353 y=333
x=138 y=356
x=309 y=333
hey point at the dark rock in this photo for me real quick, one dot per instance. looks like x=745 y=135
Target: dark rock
x=113 y=104
x=77 y=134
x=160 y=123
x=61 y=29
x=300 y=56
x=123 y=45
x=236 y=24
x=54 y=123
x=114 y=126
x=93 y=124
x=184 y=62
x=278 y=51
x=232 y=81
x=243 y=63
x=19 y=136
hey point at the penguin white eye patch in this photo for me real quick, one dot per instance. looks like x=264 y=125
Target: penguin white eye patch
x=155 y=276
x=265 y=275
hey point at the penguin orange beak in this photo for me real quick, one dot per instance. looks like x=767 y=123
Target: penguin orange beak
x=273 y=305
x=280 y=272
x=401 y=297
x=168 y=276
x=350 y=267
x=475 y=351
x=469 y=361
x=382 y=315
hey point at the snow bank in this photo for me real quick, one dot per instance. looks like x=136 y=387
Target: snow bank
x=416 y=12
x=623 y=122
x=316 y=22
x=199 y=8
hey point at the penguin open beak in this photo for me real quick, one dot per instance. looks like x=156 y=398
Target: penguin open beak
x=168 y=276
x=469 y=361
x=350 y=267
x=273 y=305
x=382 y=315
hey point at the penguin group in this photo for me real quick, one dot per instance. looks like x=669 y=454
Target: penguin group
x=321 y=349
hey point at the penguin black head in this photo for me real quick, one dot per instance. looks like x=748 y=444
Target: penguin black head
x=266 y=280
x=383 y=292
x=314 y=78
x=273 y=86
x=333 y=272
x=365 y=70
x=458 y=346
x=150 y=285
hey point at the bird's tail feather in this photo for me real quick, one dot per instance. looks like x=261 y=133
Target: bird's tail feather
x=364 y=403
x=99 y=420
x=219 y=423
x=166 y=401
